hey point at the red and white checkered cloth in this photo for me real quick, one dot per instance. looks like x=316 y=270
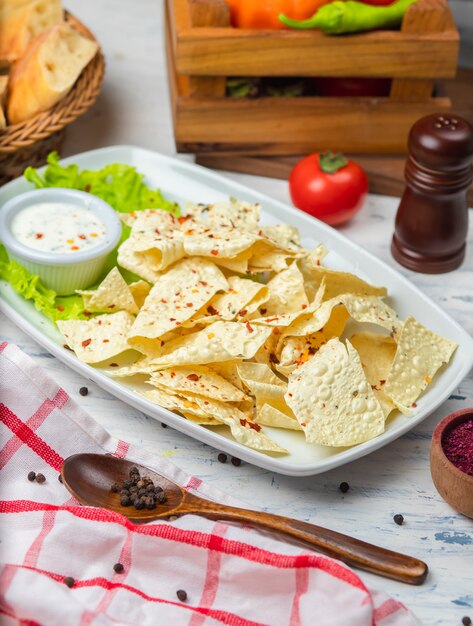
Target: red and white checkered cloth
x=232 y=575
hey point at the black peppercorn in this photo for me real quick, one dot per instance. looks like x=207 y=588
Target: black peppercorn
x=118 y=568
x=163 y=425
x=466 y=621
x=344 y=487
x=398 y=519
x=222 y=458
x=181 y=594
x=69 y=581
x=83 y=391
x=40 y=478
x=161 y=497
x=235 y=461
x=150 y=503
x=115 y=488
x=139 y=504
x=31 y=476
x=125 y=500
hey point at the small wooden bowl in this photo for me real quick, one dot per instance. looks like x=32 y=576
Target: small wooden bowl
x=453 y=485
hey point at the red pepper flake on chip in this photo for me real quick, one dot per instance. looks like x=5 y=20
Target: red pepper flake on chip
x=105 y=340
x=249 y=327
x=86 y=343
x=214 y=252
x=193 y=377
x=39 y=235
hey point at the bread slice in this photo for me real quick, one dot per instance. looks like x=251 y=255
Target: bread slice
x=47 y=72
x=21 y=21
x=3 y=100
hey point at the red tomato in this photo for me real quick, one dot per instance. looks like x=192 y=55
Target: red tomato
x=329 y=187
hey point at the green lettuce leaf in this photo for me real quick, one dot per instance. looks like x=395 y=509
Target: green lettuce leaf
x=118 y=184
x=31 y=288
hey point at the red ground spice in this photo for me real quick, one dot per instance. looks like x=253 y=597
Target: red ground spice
x=458 y=446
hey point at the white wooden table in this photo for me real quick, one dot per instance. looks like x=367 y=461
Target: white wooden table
x=134 y=109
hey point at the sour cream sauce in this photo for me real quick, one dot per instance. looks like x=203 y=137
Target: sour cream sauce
x=57 y=227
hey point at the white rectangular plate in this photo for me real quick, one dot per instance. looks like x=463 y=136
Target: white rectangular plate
x=182 y=181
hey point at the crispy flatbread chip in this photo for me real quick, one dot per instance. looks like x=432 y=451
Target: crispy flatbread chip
x=338 y=283
x=221 y=341
x=243 y=430
x=235 y=214
x=266 y=387
x=332 y=399
x=175 y=297
x=268 y=415
x=420 y=354
x=367 y=309
x=241 y=299
x=377 y=355
x=99 y=338
x=298 y=350
x=286 y=292
x=112 y=295
x=197 y=380
x=136 y=262
x=139 y=290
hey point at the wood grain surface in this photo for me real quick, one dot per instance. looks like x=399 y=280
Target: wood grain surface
x=221 y=51
x=385 y=173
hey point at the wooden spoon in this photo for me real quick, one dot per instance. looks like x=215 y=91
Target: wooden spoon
x=89 y=477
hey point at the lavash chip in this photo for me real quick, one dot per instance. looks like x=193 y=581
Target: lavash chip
x=332 y=399
x=174 y=298
x=420 y=354
x=139 y=290
x=240 y=300
x=269 y=391
x=286 y=292
x=366 y=309
x=99 y=338
x=235 y=214
x=297 y=350
x=268 y=415
x=284 y=235
x=338 y=283
x=216 y=243
x=112 y=295
x=197 y=380
x=221 y=341
x=133 y=261
x=243 y=430
x=376 y=353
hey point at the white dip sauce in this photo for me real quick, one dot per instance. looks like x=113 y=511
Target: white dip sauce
x=57 y=227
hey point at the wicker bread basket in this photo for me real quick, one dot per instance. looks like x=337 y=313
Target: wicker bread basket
x=29 y=142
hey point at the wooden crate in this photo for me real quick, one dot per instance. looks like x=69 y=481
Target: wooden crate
x=203 y=49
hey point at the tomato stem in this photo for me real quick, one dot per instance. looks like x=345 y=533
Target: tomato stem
x=331 y=163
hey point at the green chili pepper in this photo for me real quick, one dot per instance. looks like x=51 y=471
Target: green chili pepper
x=341 y=17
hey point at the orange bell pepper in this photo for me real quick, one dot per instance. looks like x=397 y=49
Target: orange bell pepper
x=263 y=14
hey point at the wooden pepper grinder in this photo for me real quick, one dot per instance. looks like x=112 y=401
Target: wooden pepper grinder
x=432 y=218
